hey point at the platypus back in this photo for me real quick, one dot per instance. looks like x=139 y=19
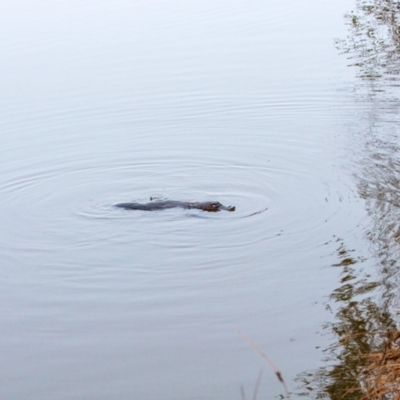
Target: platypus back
x=210 y=206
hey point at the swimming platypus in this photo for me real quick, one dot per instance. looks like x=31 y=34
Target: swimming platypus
x=211 y=206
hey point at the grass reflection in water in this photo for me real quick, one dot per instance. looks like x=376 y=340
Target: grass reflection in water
x=364 y=360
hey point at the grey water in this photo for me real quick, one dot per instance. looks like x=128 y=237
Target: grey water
x=245 y=103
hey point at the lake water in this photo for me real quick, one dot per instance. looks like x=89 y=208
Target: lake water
x=247 y=103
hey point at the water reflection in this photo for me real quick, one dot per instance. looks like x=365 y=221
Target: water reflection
x=360 y=325
x=365 y=323
x=374 y=38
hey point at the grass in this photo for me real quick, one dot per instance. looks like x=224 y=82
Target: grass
x=269 y=362
x=377 y=374
x=380 y=374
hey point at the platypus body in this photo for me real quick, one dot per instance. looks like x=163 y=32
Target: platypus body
x=211 y=206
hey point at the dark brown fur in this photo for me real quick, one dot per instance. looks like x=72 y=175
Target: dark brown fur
x=211 y=206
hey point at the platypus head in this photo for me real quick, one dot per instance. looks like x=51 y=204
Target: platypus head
x=215 y=206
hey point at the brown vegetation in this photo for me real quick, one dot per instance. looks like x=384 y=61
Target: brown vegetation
x=271 y=364
x=380 y=374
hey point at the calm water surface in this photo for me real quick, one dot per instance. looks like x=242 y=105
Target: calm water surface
x=246 y=103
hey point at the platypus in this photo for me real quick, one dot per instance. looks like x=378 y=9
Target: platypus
x=211 y=206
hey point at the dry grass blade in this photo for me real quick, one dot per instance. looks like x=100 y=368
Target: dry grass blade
x=270 y=363
x=242 y=392
x=257 y=386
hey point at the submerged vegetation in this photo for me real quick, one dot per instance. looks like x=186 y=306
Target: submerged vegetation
x=363 y=361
